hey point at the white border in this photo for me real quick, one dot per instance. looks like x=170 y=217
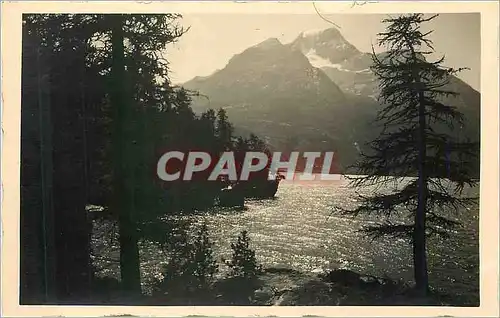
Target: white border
x=11 y=81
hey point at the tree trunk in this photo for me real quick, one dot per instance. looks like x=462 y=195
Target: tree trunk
x=46 y=182
x=123 y=183
x=419 y=237
x=71 y=226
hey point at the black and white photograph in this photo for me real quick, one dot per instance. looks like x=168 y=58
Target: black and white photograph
x=251 y=159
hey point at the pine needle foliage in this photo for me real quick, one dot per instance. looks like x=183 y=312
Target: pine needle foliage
x=416 y=170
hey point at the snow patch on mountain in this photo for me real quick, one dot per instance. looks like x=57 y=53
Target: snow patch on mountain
x=318 y=61
x=321 y=62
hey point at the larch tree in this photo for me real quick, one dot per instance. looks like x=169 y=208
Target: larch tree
x=416 y=155
x=137 y=66
x=71 y=102
x=55 y=232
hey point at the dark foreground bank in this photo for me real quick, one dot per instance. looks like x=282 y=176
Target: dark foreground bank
x=286 y=287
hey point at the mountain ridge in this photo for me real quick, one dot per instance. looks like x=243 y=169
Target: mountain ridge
x=316 y=93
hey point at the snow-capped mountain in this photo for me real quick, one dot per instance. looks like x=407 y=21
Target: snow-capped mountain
x=329 y=51
x=328 y=45
x=316 y=93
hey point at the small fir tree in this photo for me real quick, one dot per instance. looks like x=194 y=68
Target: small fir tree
x=191 y=266
x=205 y=265
x=243 y=263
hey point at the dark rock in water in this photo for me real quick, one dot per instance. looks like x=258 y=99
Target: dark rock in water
x=343 y=277
x=349 y=278
x=231 y=197
x=262 y=189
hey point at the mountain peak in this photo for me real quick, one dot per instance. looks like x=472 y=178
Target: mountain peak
x=328 y=44
x=269 y=43
x=323 y=33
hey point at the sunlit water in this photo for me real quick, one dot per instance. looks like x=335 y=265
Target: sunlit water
x=298 y=230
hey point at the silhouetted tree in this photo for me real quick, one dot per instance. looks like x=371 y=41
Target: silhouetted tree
x=123 y=162
x=224 y=130
x=243 y=262
x=98 y=109
x=191 y=265
x=67 y=159
x=412 y=143
x=53 y=159
x=138 y=67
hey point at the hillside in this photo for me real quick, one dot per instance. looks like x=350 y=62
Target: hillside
x=316 y=93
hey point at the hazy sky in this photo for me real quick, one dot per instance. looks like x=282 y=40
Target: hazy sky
x=214 y=38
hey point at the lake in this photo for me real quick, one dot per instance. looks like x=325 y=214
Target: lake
x=298 y=230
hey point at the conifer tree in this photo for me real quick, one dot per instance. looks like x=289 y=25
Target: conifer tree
x=224 y=130
x=53 y=154
x=123 y=159
x=74 y=53
x=244 y=263
x=205 y=265
x=137 y=65
x=415 y=154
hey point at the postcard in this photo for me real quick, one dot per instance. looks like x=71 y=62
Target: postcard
x=206 y=158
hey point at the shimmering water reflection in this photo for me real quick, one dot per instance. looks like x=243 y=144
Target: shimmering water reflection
x=298 y=230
